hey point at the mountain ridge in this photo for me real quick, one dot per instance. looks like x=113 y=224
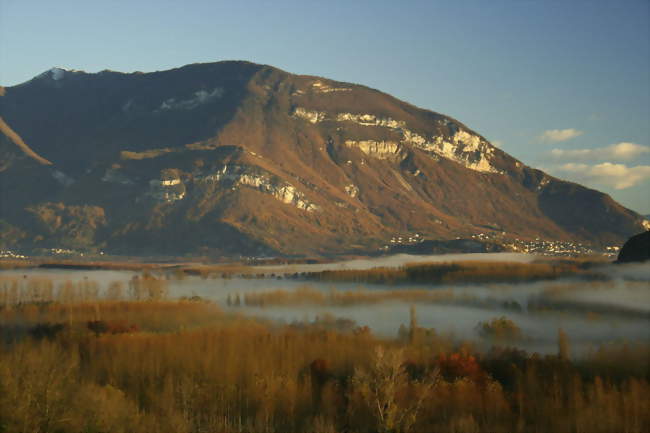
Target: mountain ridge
x=235 y=157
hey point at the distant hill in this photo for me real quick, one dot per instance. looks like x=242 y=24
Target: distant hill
x=636 y=249
x=240 y=158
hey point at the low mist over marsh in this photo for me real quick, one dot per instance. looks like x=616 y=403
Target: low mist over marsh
x=461 y=346
x=610 y=303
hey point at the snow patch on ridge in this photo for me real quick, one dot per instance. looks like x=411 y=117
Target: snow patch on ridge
x=58 y=73
x=199 y=97
x=114 y=176
x=62 y=178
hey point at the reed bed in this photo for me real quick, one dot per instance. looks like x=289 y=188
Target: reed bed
x=458 y=273
x=78 y=358
x=306 y=295
x=219 y=372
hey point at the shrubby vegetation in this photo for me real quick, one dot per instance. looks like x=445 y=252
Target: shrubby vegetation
x=130 y=360
x=309 y=295
x=460 y=272
x=500 y=329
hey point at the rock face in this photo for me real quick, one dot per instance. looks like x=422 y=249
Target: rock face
x=240 y=158
x=636 y=249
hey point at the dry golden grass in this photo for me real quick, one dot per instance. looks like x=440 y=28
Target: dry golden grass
x=178 y=269
x=126 y=359
x=309 y=295
x=17 y=290
x=16 y=264
x=148 y=154
x=154 y=316
x=188 y=367
x=6 y=130
x=77 y=264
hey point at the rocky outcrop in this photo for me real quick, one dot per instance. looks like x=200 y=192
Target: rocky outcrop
x=169 y=187
x=370 y=120
x=352 y=190
x=234 y=176
x=462 y=146
x=378 y=149
x=321 y=87
x=312 y=116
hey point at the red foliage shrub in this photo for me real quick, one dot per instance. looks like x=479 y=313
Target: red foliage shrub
x=459 y=365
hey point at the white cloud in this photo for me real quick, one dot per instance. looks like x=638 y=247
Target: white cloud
x=497 y=143
x=623 y=151
x=617 y=176
x=557 y=135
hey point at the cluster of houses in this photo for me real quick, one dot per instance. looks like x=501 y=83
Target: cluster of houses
x=549 y=248
x=540 y=246
x=407 y=239
x=8 y=254
x=536 y=246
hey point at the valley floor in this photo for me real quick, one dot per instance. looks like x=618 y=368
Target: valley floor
x=103 y=353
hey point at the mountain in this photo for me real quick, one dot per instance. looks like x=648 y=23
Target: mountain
x=241 y=158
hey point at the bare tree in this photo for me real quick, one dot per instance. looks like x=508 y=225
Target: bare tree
x=381 y=386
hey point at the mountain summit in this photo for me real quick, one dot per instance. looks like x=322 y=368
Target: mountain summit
x=241 y=158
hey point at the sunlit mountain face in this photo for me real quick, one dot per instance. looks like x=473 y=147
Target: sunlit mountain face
x=241 y=158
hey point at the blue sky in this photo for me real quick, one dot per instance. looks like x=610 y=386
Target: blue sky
x=561 y=85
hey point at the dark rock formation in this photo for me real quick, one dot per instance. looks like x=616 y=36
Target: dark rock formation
x=636 y=249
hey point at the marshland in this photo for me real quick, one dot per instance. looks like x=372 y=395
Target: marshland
x=441 y=343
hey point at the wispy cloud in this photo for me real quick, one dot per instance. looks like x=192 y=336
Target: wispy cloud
x=617 y=176
x=497 y=143
x=623 y=151
x=557 y=135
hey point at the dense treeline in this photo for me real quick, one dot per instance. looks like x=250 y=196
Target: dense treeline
x=23 y=290
x=438 y=272
x=460 y=272
x=101 y=365
x=309 y=295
